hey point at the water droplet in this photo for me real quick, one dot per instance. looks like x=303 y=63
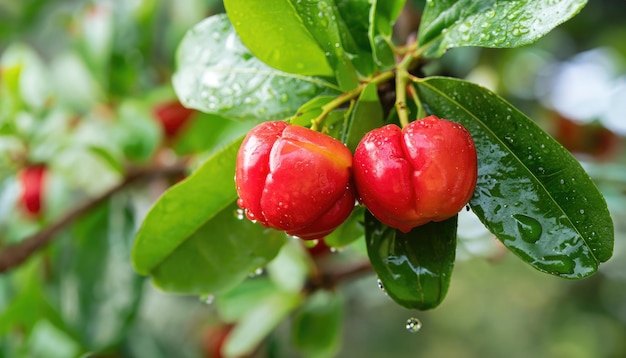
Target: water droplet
x=582 y=211
x=380 y=284
x=562 y=181
x=208 y=298
x=239 y=214
x=413 y=325
x=529 y=228
x=257 y=272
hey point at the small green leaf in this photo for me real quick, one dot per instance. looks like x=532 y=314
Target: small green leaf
x=492 y=23
x=531 y=193
x=351 y=230
x=383 y=15
x=367 y=115
x=259 y=322
x=414 y=268
x=293 y=48
x=317 y=325
x=238 y=302
x=217 y=74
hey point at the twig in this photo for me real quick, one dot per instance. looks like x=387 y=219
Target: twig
x=14 y=255
x=328 y=280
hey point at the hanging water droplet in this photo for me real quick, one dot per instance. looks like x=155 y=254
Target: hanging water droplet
x=529 y=228
x=380 y=284
x=208 y=298
x=413 y=325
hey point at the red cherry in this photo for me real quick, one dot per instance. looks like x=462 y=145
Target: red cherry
x=294 y=179
x=426 y=172
x=31 y=180
x=172 y=116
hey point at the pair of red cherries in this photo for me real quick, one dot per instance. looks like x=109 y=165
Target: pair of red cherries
x=306 y=183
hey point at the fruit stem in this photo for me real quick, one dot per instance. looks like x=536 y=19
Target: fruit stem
x=348 y=96
x=402 y=77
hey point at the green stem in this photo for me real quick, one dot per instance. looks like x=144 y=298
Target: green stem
x=402 y=77
x=348 y=96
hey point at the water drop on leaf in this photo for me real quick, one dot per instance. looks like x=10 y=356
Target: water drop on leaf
x=529 y=228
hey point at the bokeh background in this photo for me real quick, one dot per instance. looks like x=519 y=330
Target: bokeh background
x=92 y=73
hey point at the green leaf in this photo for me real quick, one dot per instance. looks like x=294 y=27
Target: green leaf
x=383 y=15
x=354 y=30
x=492 y=23
x=217 y=74
x=218 y=256
x=100 y=240
x=367 y=115
x=259 y=322
x=238 y=302
x=192 y=240
x=348 y=232
x=210 y=132
x=317 y=325
x=276 y=33
x=414 y=268
x=326 y=25
x=532 y=193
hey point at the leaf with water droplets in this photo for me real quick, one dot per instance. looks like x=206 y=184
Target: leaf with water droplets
x=307 y=35
x=192 y=241
x=530 y=189
x=502 y=24
x=217 y=74
x=414 y=268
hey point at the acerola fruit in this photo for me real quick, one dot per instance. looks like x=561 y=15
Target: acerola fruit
x=172 y=116
x=425 y=172
x=294 y=179
x=31 y=180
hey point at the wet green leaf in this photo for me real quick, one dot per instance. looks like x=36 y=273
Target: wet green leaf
x=217 y=74
x=317 y=325
x=294 y=49
x=414 y=268
x=193 y=241
x=532 y=193
x=503 y=24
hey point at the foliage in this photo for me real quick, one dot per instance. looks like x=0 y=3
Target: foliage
x=336 y=66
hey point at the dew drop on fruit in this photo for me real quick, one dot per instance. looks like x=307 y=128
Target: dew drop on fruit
x=413 y=325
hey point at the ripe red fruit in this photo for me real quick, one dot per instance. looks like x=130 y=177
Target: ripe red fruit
x=426 y=172
x=294 y=179
x=172 y=116
x=31 y=181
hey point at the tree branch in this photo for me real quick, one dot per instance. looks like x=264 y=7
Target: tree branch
x=16 y=254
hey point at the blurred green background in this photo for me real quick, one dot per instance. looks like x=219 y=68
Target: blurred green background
x=91 y=71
